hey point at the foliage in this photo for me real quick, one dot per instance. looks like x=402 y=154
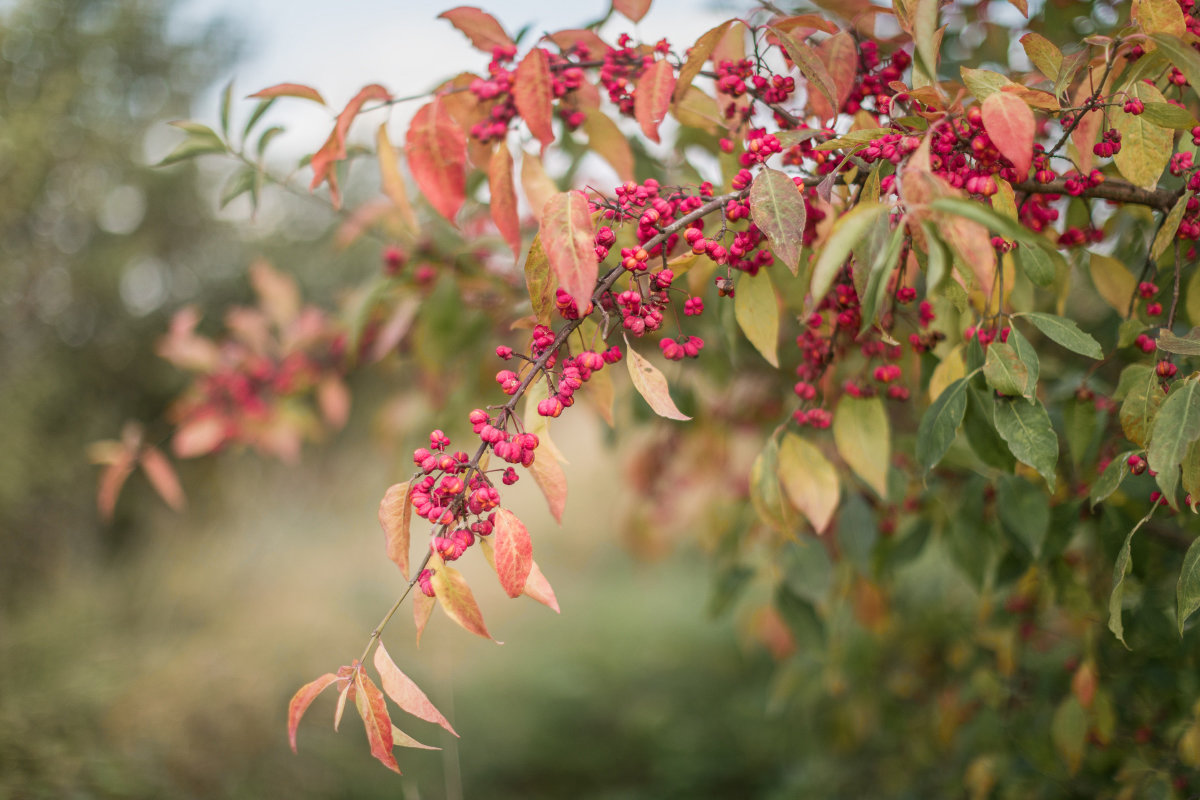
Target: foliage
x=981 y=383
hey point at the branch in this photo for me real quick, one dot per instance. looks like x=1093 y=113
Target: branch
x=1112 y=189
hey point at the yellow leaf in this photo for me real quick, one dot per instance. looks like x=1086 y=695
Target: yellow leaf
x=863 y=438
x=1145 y=148
x=1114 y=283
x=809 y=480
x=756 y=309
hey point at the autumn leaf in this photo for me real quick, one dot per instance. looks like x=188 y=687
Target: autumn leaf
x=302 y=700
x=372 y=707
x=533 y=96
x=863 y=438
x=550 y=478
x=455 y=597
x=539 y=281
x=652 y=385
x=536 y=585
x=606 y=140
x=422 y=611
x=289 y=90
x=537 y=185
x=696 y=58
x=405 y=693
x=484 y=31
x=334 y=149
x=569 y=239
x=633 y=9
x=1011 y=127
x=395 y=515
x=1145 y=147
x=111 y=480
x=162 y=477
x=514 y=552
x=391 y=179
x=756 y=309
x=503 y=205
x=652 y=97
x=437 y=156
x=198 y=437
x=777 y=207
x=810 y=66
x=809 y=480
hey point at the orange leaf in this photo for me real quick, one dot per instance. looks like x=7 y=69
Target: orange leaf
x=652 y=385
x=514 y=552
x=162 y=477
x=455 y=598
x=1011 y=127
x=839 y=53
x=372 y=707
x=504 y=197
x=392 y=180
x=302 y=700
x=290 y=90
x=652 y=97
x=480 y=27
x=536 y=184
x=405 y=693
x=422 y=610
x=437 y=156
x=633 y=9
x=533 y=96
x=606 y=140
x=334 y=149
x=199 y=437
x=548 y=474
x=333 y=398
x=536 y=586
x=395 y=514
x=566 y=39
x=111 y=480
x=696 y=58
x=569 y=239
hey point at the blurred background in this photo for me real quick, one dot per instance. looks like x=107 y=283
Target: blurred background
x=154 y=655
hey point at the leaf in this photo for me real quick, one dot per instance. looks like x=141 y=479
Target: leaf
x=533 y=96
x=882 y=266
x=200 y=141
x=1183 y=345
x=1068 y=731
x=1113 y=281
x=503 y=204
x=1011 y=127
x=1159 y=16
x=809 y=64
x=484 y=31
x=1142 y=400
x=696 y=58
x=334 y=149
x=847 y=232
x=634 y=10
x=840 y=56
x=651 y=385
x=536 y=586
x=940 y=423
x=863 y=438
x=422 y=611
x=766 y=493
x=1166 y=233
x=777 y=208
x=756 y=308
x=809 y=480
x=1182 y=56
x=980 y=429
x=111 y=480
x=454 y=595
x=373 y=709
x=924 y=22
x=302 y=699
x=550 y=478
x=536 y=184
x=340 y=709
x=1120 y=570
x=1110 y=480
x=983 y=83
x=569 y=239
x=652 y=97
x=257 y=114
x=395 y=517
x=1036 y=264
x=1006 y=373
x=162 y=477
x=539 y=281
x=1176 y=426
x=1031 y=438
x=1023 y=511
x=1064 y=332
x=240 y=182
x=402 y=739
x=289 y=90
x=1145 y=147
x=1187 y=590
x=405 y=693
x=514 y=552
x=1044 y=54
x=1169 y=115
x=437 y=157
x=391 y=179
x=606 y=140
x=198 y=437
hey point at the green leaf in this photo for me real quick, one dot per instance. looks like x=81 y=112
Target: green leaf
x=980 y=429
x=1166 y=234
x=240 y=182
x=1027 y=354
x=847 y=232
x=1142 y=399
x=201 y=140
x=1120 y=571
x=1187 y=590
x=1191 y=475
x=1027 y=430
x=1183 y=345
x=994 y=221
x=1068 y=731
x=266 y=137
x=1037 y=265
x=766 y=493
x=1176 y=426
x=810 y=481
x=1044 y=54
x=800 y=615
x=1112 y=477
x=756 y=309
x=1024 y=512
x=777 y=208
x=1006 y=373
x=256 y=115
x=877 y=282
x=940 y=424
x=1169 y=115
x=1079 y=427
x=863 y=438
x=1065 y=332
x=226 y=101
x=857 y=532
x=1181 y=56
x=938 y=268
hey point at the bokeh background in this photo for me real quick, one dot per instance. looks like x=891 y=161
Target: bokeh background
x=153 y=656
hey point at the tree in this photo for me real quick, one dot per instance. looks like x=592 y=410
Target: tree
x=948 y=250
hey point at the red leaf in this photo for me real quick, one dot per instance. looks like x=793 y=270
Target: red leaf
x=652 y=97
x=569 y=239
x=551 y=479
x=633 y=9
x=162 y=477
x=405 y=693
x=839 y=54
x=334 y=149
x=111 y=480
x=504 y=197
x=566 y=39
x=540 y=589
x=290 y=90
x=395 y=513
x=514 y=552
x=454 y=595
x=198 y=437
x=484 y=31
x=437 y=155
x=1011 y=127
x=302 y=700
x=372 y=707
x=533 y=95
